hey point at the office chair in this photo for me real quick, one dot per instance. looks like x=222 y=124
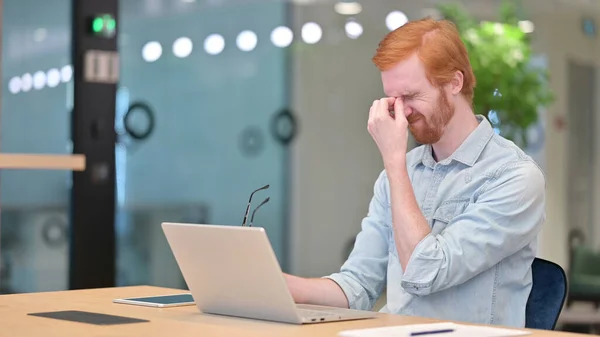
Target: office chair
x=547 y=295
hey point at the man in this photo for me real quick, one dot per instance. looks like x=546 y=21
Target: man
x=453 y=224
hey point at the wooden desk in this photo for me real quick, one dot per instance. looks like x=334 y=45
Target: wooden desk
x=170 y=322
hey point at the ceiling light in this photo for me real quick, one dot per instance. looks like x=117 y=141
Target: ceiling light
x=348 y=8
x=395 y=20
x=53 y=78
x=151 y=51
x=246 y=40
x=526 y=26
x=26 y=82
x=66 y=73
x=353 y=29
x=14 y=85
x=182 y=47
x=214 y=44
x=282 y=36
x=39 y=80
x=311 y=33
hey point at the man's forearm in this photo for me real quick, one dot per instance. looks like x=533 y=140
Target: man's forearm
x=410 y=226
x=317 y=291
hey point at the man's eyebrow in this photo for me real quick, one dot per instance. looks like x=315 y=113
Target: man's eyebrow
x=403 y=94
x=398 y=94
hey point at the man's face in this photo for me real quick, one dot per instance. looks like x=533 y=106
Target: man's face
x=426 y=107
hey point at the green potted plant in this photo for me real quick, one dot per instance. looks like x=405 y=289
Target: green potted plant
x=510 y=90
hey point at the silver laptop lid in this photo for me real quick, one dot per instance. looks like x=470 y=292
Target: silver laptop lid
x=231 y=270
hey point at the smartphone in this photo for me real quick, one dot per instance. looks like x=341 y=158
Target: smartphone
x=163 y=301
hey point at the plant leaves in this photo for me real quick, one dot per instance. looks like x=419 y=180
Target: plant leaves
x=507 y=84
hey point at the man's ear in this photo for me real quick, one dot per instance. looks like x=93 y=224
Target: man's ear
x=457 y=82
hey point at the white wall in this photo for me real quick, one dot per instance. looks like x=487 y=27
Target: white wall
x=335 y=162
x=559 y=35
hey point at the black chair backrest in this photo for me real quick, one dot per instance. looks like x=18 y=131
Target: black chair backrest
x=547 y=296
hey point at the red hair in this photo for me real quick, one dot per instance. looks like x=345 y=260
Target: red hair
x=438 y=46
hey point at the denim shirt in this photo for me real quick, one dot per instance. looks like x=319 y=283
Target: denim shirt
x=485 y=205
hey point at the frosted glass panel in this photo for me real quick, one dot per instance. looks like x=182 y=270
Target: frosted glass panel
x=213 y=81
x=36 y=75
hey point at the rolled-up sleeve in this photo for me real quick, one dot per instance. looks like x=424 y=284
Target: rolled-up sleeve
x=363 y=275
x=505 y=218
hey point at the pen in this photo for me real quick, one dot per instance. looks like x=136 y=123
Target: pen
x=421 y=333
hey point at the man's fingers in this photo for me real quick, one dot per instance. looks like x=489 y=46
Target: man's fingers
x=400 y=111
x=399 y=106
x=372 y=114
x=384 y=107
x=372 y=109
x=390 y=102
x=386 y=101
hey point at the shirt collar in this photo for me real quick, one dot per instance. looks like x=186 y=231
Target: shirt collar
x=470 y=150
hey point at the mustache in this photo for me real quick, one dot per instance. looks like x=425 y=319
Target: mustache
x=413 y=117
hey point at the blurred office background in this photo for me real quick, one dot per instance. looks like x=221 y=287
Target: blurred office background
x=225 y=96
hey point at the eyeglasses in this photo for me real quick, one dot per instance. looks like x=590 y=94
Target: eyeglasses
x=256 y=209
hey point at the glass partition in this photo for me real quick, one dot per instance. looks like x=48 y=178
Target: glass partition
x=35 y=119
x=204 y=85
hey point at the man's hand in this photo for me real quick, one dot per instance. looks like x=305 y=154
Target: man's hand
x=389 y=128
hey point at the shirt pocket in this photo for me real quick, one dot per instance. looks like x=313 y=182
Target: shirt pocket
x=445 y=213
x=442 y=216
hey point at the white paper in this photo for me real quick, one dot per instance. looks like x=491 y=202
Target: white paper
x=459 y=330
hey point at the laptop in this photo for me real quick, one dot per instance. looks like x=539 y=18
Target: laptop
x=233 y=271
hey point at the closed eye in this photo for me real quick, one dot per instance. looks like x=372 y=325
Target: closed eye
x=413 y=96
